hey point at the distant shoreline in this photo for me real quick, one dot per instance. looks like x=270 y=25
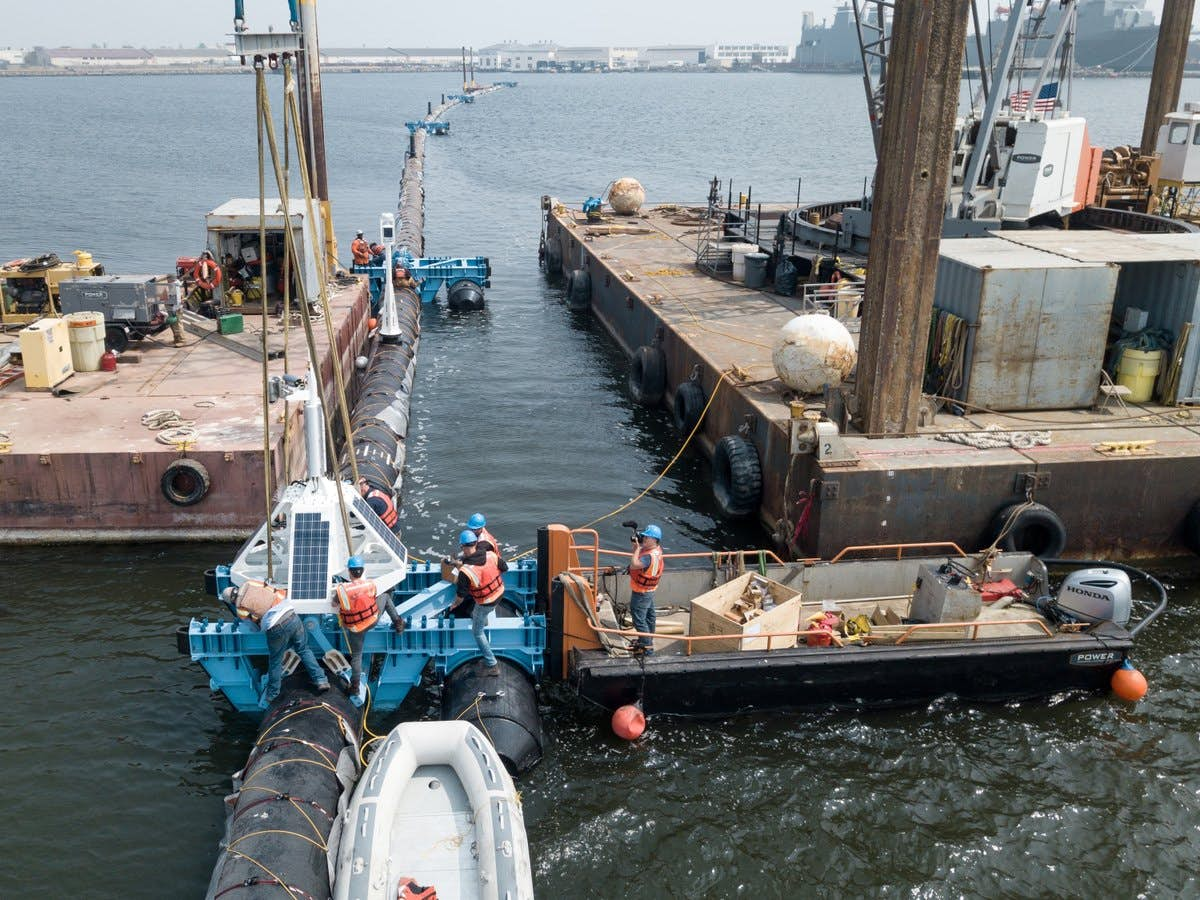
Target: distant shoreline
x=107 y=71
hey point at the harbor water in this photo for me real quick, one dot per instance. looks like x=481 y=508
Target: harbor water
x=115 y=755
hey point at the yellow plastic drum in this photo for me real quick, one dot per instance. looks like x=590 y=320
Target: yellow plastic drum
x=86 y=335
x=1137 y=370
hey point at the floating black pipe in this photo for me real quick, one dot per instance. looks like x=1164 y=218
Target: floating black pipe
x=285 y=799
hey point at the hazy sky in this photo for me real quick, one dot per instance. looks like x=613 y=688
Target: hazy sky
x=404 y=23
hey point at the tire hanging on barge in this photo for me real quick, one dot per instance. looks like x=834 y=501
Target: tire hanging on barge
x=285 y=810
x=1033 y=528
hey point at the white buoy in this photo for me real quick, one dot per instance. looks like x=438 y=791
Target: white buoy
x=626 y=196
x=812 y=351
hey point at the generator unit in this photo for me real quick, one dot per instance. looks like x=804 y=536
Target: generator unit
x=133 y=305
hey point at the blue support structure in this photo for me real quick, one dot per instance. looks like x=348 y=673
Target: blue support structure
x=461 y=98
x=234 y=653
x=431 y=273
x=438 y=127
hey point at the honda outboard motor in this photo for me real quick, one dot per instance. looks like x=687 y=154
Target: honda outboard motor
x=1096 y=595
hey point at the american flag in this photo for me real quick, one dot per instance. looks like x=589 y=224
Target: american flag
x=1045 y=101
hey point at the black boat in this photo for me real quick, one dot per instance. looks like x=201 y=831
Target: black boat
x=990 y=626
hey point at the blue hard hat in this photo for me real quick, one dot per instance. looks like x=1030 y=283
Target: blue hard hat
x=476 y=521
x=354 y=562
x=467 y=537
x=651 y=531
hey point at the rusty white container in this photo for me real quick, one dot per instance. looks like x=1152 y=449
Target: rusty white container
x=85 y=332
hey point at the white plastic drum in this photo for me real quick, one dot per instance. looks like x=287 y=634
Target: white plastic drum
x=86 y=331
x=738 y=254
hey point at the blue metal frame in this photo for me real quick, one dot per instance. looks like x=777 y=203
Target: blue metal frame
x=430 y=273
x=461 y=98
x=439 y=126
x=229 y=650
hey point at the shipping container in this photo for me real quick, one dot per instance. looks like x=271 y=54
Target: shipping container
x=1160 y=274
x=1037 y=323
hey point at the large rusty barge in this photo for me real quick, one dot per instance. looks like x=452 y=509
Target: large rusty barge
x=80 y=465
x=1103 y=476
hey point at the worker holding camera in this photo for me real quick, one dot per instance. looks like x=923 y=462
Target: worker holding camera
x=645 y=569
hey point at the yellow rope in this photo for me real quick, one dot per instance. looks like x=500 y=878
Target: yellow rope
x=320 y=845
x=663 y=473
x=284 y=762
x=280 y=881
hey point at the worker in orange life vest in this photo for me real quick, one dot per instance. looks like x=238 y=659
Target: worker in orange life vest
x=269 y=608
x=645 y=569
x=481 y=579
x=478 y=524
x=360 y=250
x=379 y=501
x=358 y=605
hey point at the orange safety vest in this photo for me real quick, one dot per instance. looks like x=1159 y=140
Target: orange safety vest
x=255 y=599
x=487 y=581
x=389 y=515
x=644 y=580
x=484 y=535
x=360 y=251
x=356 y=604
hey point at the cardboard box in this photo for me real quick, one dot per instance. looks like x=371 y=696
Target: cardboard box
x=708 y=617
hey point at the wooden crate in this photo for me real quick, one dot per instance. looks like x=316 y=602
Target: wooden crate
x=708 y=618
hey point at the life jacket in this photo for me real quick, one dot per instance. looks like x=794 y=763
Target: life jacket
x=356 y=604
x=484 y=535
x=410 y=890
x=643 y=581
x=487 y=581
x=255 y=599
x=388 y=515
x=360 y=251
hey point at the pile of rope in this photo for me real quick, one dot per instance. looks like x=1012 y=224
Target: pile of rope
x=993 y=437
x=173 y=430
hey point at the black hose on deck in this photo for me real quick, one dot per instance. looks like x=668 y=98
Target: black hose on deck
x=288 y=797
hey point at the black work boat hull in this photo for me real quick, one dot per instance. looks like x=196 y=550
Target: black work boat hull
x=718 y=684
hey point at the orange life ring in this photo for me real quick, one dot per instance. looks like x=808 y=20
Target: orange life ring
x=198 y=273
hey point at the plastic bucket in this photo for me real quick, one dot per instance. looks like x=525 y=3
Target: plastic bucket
x=1137 y=370
x=738 y=253
x=86 y=336
x=756 y=269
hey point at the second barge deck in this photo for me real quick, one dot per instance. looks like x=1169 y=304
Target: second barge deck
x=78 y=464
x=1132 y=498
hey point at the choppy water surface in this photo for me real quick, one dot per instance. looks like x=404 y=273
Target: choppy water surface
x=115 y=756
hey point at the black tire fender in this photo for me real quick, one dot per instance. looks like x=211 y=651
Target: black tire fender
x=648 y=376
x=554 y=259
x=579 y=289
x=1037 y=529
x=689 y=406
x=1191 y=528
x=736 y=476
x=185 y=482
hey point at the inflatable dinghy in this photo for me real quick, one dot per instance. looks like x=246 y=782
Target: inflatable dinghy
x=434 y=811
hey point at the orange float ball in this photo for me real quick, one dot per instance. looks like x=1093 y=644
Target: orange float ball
x=371 y=323
x=1129 y=684
x=628 y=722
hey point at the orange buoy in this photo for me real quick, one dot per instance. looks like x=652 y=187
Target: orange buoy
x=1128 y=683
x=628 y=722
x=371 y=323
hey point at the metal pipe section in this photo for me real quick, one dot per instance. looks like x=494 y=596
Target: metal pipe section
x=1167 y=76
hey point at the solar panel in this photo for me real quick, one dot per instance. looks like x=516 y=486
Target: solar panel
x=310 y=558
x=372 y=521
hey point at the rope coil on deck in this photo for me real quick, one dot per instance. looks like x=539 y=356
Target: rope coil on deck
x=993 y=437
